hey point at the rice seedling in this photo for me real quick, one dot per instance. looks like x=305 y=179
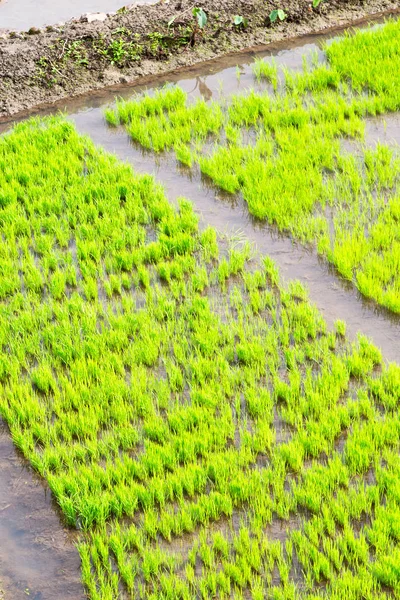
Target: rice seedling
x=181 y=403
x=296 y=174
x=267 y=71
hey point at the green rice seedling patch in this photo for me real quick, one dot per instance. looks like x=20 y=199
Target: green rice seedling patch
x=164 y=121
x=282 y=152
x=172 y=391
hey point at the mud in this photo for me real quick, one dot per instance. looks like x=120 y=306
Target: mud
x=37 y=556
x=78 y=57
x=213 y=79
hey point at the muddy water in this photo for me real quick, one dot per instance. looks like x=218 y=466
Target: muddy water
x=385 y=129
x=23 y=14
x=37 y=556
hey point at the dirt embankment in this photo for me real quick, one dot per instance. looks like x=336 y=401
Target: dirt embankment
x=43 y=67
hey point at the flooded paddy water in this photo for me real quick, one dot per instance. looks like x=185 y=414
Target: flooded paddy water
x=24 y=14
x=37 y=556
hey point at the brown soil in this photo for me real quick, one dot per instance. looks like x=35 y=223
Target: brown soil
x=42 y=67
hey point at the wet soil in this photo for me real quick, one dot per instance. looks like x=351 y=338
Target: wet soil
x=60 y=62
x=213 y=79
x=37 y=556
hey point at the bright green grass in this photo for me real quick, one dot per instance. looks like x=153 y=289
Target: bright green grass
x=296 y=174
x=182 y=405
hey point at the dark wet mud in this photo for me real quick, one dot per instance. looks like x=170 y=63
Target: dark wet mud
x=37 y=556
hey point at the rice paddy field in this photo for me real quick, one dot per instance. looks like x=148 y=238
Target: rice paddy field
x=203 y=429
x=282 y=151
